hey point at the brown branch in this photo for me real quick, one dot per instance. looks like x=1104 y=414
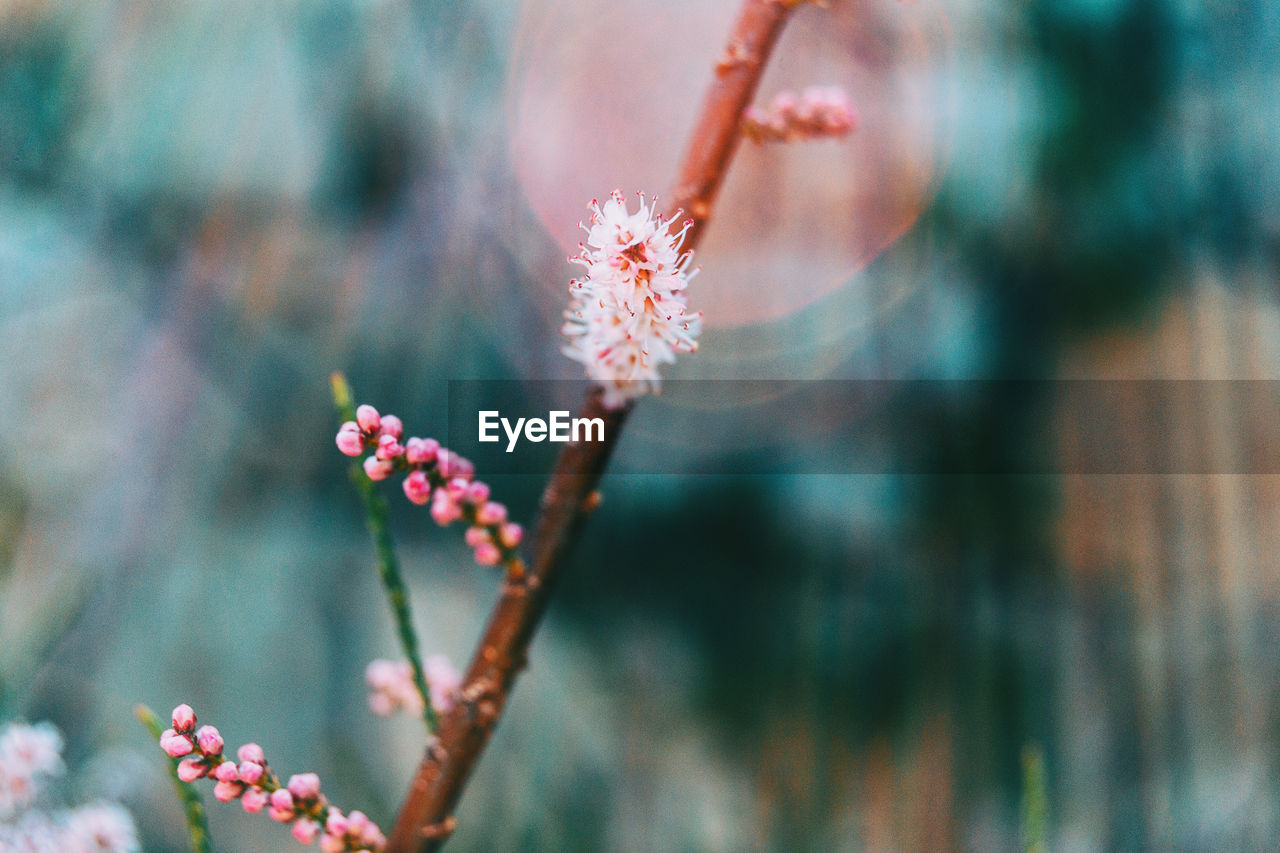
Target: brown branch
x=425 y=819
x=715 y=136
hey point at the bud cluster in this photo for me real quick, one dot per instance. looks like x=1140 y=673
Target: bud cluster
x=816 y=113
x=436 y=476
x=30 y=764
x=391 y=686
x=250 y=780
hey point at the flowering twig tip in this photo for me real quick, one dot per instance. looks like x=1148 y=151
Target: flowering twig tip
x=816 y=113
x=633 y=263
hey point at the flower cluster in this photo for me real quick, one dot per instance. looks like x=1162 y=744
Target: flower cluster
x=30 y=759
x=817 y=112
x=392 y=689
x=251 y=781
x=628 y=315
x=437 y=476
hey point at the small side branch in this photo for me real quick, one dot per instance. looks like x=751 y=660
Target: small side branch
x=715 y=137
x=192 y=806
x=375 y=510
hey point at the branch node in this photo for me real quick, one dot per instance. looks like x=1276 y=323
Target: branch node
x=486 y=712
x=440 y=830
x=476 y=690
x=592 y=502
x=734 y=55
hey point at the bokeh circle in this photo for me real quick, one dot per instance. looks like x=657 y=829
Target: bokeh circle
x=602 y=95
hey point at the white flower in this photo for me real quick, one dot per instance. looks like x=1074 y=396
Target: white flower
x=34 y=832
x=629 y=315
x=99 y=828
x=28 y=755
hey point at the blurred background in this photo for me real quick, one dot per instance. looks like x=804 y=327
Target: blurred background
x=207 y=206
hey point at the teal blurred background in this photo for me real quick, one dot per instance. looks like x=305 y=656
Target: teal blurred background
x=206 y=207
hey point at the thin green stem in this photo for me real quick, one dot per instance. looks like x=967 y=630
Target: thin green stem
x=375 y=510
x=192 y=806
x=1035 y=801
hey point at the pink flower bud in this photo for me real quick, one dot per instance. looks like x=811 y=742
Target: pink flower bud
x=184 y=719
x=176 y=745
x=421 y=451
x=388 y=448
x=510 y=534
x=335 y=823
x=391 y=426
x=349 y=439
x=254 y=799
x=251 y=752
x=357 y=823
x=487 y=554
x=443 y=509
x=333 y=844
x=457 y=488
x=225 y=792
x=476 y=535
x=251 y=772
x=368 y=419
x=452 y=465
x=477 y=493
x=417 y=488
x=377 y=469
x=278 y=812
x=304 y=786
x=209 y=740
x=460 y=466
x=305 y=830
x=491 y=513
x=191 y=769
x=227 y=772
x=372 y=838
